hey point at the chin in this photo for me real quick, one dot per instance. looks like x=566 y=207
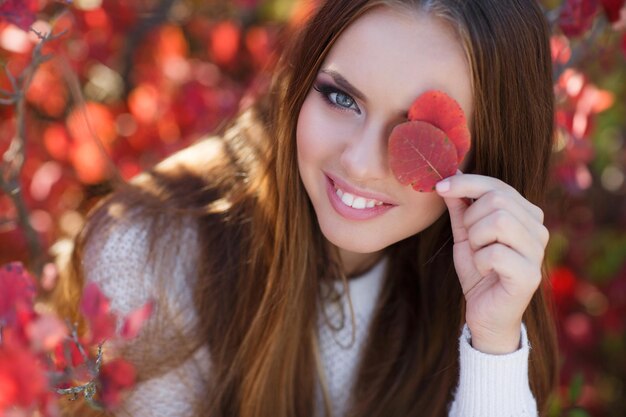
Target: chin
x=351 y=243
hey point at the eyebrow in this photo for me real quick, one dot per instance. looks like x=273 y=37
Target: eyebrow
x=345 y=84
x=352 y=90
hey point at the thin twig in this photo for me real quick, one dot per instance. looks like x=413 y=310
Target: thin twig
x=73 y=84
x=14 y=157
x=88 y=389
x=136 y=36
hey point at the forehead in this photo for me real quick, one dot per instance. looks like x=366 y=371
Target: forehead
x=394 y=56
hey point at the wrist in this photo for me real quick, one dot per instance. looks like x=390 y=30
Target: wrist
x=496 y=342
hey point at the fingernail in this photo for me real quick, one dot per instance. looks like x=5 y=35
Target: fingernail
x=443 y=186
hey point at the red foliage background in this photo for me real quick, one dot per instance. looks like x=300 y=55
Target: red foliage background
x=151 y=76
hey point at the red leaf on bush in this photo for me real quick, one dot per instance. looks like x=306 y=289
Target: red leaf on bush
x=19 y=12
x=225 y=39
x=612 y=9
x=46 y=332
x=563 y=282
x=17 y=290
x=135 y=320
x=66 y=355
x=115 y=377
x=93 y=303
x=102 y=327
x=95 y=307
x=576 y=16
x=560 y=49
x=430 y=146
x=420 y=155
x=22 y=377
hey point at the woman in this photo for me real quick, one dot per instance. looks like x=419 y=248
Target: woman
x=276 y=298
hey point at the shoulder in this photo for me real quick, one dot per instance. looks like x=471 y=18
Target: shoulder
x=129 y=254
x=143 y=239
x=140 y=244
x=136 y=258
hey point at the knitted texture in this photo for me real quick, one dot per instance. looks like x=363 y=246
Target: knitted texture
x=493 y=385
x=489 y=385
x=339 y=352
x=120 y=264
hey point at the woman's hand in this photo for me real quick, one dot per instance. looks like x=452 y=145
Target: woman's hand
x=499 y=245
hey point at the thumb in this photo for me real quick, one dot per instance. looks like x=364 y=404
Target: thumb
x=456 y=209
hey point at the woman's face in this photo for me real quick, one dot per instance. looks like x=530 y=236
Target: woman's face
x=379 y=65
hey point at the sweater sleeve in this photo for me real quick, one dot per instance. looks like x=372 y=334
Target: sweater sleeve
x=130 y=272
x=493 y=385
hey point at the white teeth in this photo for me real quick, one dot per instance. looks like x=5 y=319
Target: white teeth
x=347 y=199
x=356 y=202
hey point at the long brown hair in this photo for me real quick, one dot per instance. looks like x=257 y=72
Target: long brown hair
x=261 y=257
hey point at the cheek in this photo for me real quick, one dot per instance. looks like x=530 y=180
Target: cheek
x=424 y=209
x=314 y=133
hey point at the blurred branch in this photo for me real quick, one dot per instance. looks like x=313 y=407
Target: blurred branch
x=136 y=36
x=13 y=159
x=89 y=389
x=74 y=86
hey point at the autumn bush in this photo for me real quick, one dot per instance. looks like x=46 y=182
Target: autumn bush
x=95 y=91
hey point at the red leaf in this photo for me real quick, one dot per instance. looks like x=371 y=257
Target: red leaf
x=95 y=307
x=115 y=377
x=17 y=291
x=576 y=16
x=442 y=111
x=19 y=12
x=94 y=303
x=135 y=320
x=102 y=327
x=225 y=40
x=430 y=146
x=66 y=355
x=421 y=154
x=46 y=332
x=563 y=283
x=612 y=9
x=22 y=377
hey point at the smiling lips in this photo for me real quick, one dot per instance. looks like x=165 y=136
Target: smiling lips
x=356 y=202
x=354 y=205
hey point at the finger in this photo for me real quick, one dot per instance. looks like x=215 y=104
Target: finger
x=503 y=227
x=456 y=210
x=497 y=200
x=475 y=186
x=516 y=273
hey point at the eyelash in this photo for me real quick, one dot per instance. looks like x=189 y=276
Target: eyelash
x=326 y=90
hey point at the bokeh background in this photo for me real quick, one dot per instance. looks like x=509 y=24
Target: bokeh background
x=132 y=81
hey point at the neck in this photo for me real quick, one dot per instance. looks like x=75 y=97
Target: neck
x=356 y=264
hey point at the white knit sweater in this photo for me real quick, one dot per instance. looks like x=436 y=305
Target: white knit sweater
x=489 y=385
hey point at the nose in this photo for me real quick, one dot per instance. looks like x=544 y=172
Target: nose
x=365 y=155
